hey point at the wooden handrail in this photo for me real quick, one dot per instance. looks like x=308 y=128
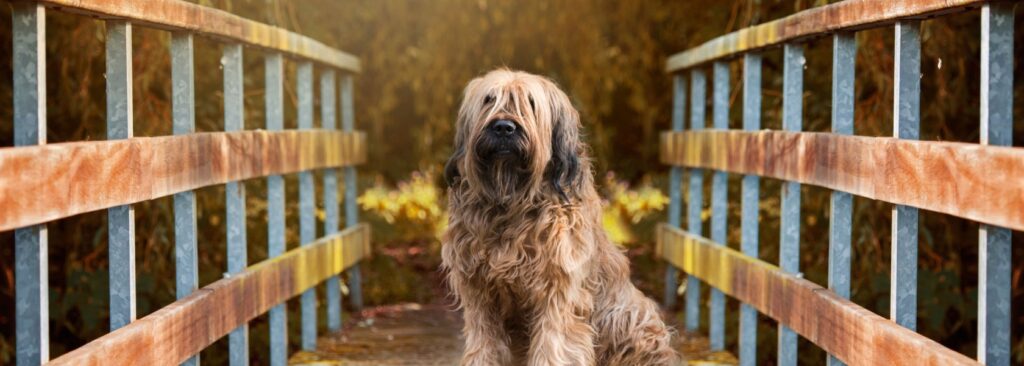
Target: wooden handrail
x=844 y=15
x=184 y=328
x=177 y=15
x=853 y=334
x=48 y=182
x=932 y=175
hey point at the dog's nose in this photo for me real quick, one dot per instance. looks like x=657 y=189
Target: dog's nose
x=503 y=127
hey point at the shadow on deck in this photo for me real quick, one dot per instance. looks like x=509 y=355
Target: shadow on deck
x=414 y=334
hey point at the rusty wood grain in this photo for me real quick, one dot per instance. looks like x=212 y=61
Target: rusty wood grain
x=853 y=334
x=178 y=331
x=177 y=15
x=48 y=182
x=844 y=15
x=976 y=182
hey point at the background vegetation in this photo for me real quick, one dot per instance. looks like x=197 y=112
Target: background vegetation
x=417 y=55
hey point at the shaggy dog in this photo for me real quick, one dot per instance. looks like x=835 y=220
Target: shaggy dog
x=525 y=254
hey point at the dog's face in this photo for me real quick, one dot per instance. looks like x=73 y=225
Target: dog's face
x=517 y=135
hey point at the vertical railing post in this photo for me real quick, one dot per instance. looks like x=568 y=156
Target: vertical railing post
x=789 y=236
x=844 y=53
x=328 y=122
x=906 y=125
x=995 y=251
x=750 y=199
x=184 y=119
x=120 y=219
x=698 y=98
x=674 y=183
x=351 y=189
x=30 y=243
x=234 y=120
x=719 y=201
x=274 y=80
x=307 y=201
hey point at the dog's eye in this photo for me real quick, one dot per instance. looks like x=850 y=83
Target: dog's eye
x=488 y=99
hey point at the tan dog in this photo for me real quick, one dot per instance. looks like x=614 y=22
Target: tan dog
x=526 y=257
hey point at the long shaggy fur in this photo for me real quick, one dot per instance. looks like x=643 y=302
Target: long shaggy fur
x=525 y=254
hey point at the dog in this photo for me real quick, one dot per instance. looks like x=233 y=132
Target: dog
x=525 y=255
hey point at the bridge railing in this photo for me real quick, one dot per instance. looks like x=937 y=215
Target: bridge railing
x=980 y=182
x=41 y=183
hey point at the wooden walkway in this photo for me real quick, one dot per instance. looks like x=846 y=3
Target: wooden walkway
x=414 y=334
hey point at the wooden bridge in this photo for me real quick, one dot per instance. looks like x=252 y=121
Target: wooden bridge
x=41 y=182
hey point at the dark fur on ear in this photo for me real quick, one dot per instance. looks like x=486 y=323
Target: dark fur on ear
x=564 y=170
x=451 y=168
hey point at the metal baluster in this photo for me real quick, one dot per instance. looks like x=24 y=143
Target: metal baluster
x=275 y=205
x=328 y=122
x=184 y=117
x=750 y=197
x=844 y=53
x=120 y=219
x=698 y=95
x=995 y=252
x=675 y=176
x=307 y=202
x=234 y=120
x=30 y=243
x=906 y=125
x=789 y=236
x=351 y=190
x=719 y=201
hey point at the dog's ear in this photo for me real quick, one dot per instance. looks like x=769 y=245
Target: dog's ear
x=451 y=168
x=564 y=169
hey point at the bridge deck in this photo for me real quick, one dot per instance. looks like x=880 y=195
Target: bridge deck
x=413 y=334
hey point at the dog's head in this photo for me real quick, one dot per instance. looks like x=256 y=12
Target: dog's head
x=517 y=135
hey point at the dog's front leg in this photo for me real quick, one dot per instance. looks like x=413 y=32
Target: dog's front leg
x=561 y=333
x=486 y=338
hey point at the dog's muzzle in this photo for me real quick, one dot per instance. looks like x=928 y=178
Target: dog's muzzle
x=501 y=140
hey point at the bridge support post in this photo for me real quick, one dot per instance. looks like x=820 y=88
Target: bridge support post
x=750 y=201
x=183 y=103
x=844 y=54
x=307 y=202
x=328 y=122
x=120 y=219
x=234 y=120
x=695 y=204
x=274 y=79
x=719 y=201
x=789 y=236
x=30 y=243
x=995 y=250
x=351 y=191
x=906 y=125
x=674 y=184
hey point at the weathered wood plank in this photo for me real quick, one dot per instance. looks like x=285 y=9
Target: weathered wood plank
x=844 y=15
x=851 y=333
x=944 y=177
x=49 y=182
x=177 y=15
x=174 y=333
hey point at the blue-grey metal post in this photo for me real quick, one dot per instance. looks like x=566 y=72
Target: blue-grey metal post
x=789 y=236
x=120 y=219
x=695 y=203
x=234 y=120
x=274 y=80
x=307 y=201
x=348 y=121
x=995 y=252
x=30 y=243
x=906 y=125
x=750 y=200
x=183 y=112
x=674 y=183
x=719 y=201
x=844 y=53
x=328 y=120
